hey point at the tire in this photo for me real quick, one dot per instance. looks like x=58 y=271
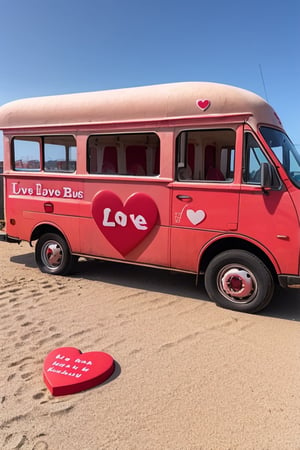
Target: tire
x=53 y=256
x=239 y=280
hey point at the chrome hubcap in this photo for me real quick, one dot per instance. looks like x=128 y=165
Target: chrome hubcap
x=52 y=254
x=238 y=284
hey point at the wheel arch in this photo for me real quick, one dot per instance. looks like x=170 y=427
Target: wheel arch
x=222 y=244
x=46 y=228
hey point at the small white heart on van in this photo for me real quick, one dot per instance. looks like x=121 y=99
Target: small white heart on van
x=195 y=217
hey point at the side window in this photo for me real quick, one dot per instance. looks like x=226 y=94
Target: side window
x=253 y=157
x=59 y=154
x=135 y=154
x=205 y=155
x=51 y=153
x=26 y=154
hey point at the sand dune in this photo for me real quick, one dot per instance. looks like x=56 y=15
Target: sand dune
x=189 y=375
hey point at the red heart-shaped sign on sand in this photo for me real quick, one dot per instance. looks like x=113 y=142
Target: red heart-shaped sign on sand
x=67 y=370
x=124 y=226
x=203 y=104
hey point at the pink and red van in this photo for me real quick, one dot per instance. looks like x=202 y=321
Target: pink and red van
x=194 y=177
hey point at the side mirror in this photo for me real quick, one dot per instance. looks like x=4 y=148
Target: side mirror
x=265 y=176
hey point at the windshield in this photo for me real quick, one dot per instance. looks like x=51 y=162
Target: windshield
x=285 y=151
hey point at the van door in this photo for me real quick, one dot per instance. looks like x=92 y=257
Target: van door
x=205 y=197
x=268 y=217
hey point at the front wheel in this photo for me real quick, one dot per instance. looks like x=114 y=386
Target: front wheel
x=52 y=254
x=239 y=280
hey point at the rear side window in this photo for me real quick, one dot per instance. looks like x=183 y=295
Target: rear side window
x=26 y=154
x=48 y=153
x=135 y=154
x=59 y=154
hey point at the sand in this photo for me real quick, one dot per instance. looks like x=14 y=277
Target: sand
x=189 y=375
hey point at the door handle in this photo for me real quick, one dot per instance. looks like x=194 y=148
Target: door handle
x=184 y=198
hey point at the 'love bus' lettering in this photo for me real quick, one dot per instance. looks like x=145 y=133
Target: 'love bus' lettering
x=41 y=191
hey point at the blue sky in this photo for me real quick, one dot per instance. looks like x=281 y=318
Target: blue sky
x=60 y=46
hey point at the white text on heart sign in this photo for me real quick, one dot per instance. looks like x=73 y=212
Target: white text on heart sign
x=120 y=218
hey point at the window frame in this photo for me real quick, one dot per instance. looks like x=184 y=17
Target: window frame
x=25 y=138
x=200 y=158
x=276 y=181
x=40 y=139
x=121 y=141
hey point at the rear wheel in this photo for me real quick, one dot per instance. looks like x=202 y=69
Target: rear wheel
x=52 y=254
x=239 y=280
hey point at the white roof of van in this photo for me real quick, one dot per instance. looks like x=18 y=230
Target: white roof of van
x=157 y=102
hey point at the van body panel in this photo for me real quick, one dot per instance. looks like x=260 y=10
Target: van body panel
x=200 y=210
x=151 y=250
x=271 y=219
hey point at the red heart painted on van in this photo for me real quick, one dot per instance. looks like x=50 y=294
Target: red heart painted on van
x=124 y=226
x=67 y=370
x=203 y=104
